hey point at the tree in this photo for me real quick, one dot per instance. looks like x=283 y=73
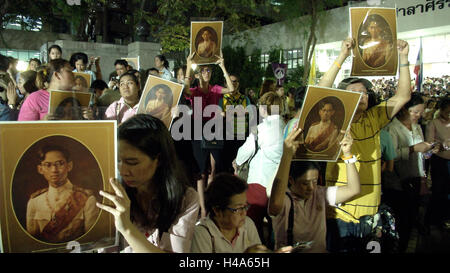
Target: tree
x=313 y=10
x=170 y=19
x=47 y=12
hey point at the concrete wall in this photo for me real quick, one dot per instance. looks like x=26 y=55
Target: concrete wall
x=40 y=41
x=29 y=40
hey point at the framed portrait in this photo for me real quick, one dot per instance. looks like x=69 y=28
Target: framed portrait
x=159 y=97
x=134 y=62
x=375 y=32
x=82 y=81
x=66 y=105
x=206 y=41
x=50 y=182
x=325 y=112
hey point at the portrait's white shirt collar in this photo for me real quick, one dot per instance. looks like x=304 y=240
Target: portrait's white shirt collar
x=54 y=192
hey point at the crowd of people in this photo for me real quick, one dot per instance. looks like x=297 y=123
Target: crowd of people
x=194 y=194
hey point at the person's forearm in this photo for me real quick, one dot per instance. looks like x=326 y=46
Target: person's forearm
x=329 y=76
x=344 y=193
x=187 y=80
x=353 y=179
x=230 y=86
x=280 y=184
x=138 y=242
x=98 y=71
x=404 y=82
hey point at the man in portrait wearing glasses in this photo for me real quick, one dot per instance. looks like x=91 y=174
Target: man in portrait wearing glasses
x=61 y=212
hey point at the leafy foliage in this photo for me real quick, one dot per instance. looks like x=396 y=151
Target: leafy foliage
x=313 y=8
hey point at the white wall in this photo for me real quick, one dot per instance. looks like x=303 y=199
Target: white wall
x=334 y=27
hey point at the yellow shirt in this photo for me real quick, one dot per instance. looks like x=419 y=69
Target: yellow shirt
x=366 y=147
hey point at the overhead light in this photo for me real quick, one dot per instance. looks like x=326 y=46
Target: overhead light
x=21 y=65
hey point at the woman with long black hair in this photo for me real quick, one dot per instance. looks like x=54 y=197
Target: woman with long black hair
x=154 y=209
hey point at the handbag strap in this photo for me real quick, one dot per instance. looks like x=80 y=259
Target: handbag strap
x=290 y=230
x=212 y=238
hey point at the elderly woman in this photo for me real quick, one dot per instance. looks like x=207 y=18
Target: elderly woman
x=226 y=229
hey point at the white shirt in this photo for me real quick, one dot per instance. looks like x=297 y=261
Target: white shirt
x=42 y=208
x=264 y=164
x=407 y=165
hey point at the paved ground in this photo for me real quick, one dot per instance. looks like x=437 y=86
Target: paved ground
x=437 y=241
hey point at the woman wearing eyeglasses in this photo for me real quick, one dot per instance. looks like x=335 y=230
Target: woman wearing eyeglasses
x=205 y=95
x=226 y=229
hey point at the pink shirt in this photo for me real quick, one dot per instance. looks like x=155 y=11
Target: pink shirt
x=179 y=236
x=209 y=239
x=35 y=106
x=309 y=219
x=210 y=98
x=120 y=111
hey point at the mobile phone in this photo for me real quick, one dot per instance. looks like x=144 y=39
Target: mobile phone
x=301 y=246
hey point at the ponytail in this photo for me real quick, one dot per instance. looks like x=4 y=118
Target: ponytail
x=45 y=73
x=42 y=80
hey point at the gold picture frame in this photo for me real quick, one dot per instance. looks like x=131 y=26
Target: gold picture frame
x=82 y=81
x=375 y=33
x=91 y=153
x=159 y=97
x=325 y=112
x=133 y=61
x=58 y=100
x=206 y=51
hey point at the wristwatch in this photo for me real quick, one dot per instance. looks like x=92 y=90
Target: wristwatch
x=11 y=106
x=351 y=160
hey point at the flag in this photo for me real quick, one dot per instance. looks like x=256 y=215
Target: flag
x=418 y=69
x=312 y=71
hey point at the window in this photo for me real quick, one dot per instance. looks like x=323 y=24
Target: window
x=293 y=58
x=264 y=60
x=22 y=55
x=24 y=23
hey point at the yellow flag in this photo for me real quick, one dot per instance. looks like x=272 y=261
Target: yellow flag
x=312 y=71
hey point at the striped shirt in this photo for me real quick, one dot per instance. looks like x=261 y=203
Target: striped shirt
x=366 y=147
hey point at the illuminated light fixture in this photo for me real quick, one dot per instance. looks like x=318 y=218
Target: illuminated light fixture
x=21 y=65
